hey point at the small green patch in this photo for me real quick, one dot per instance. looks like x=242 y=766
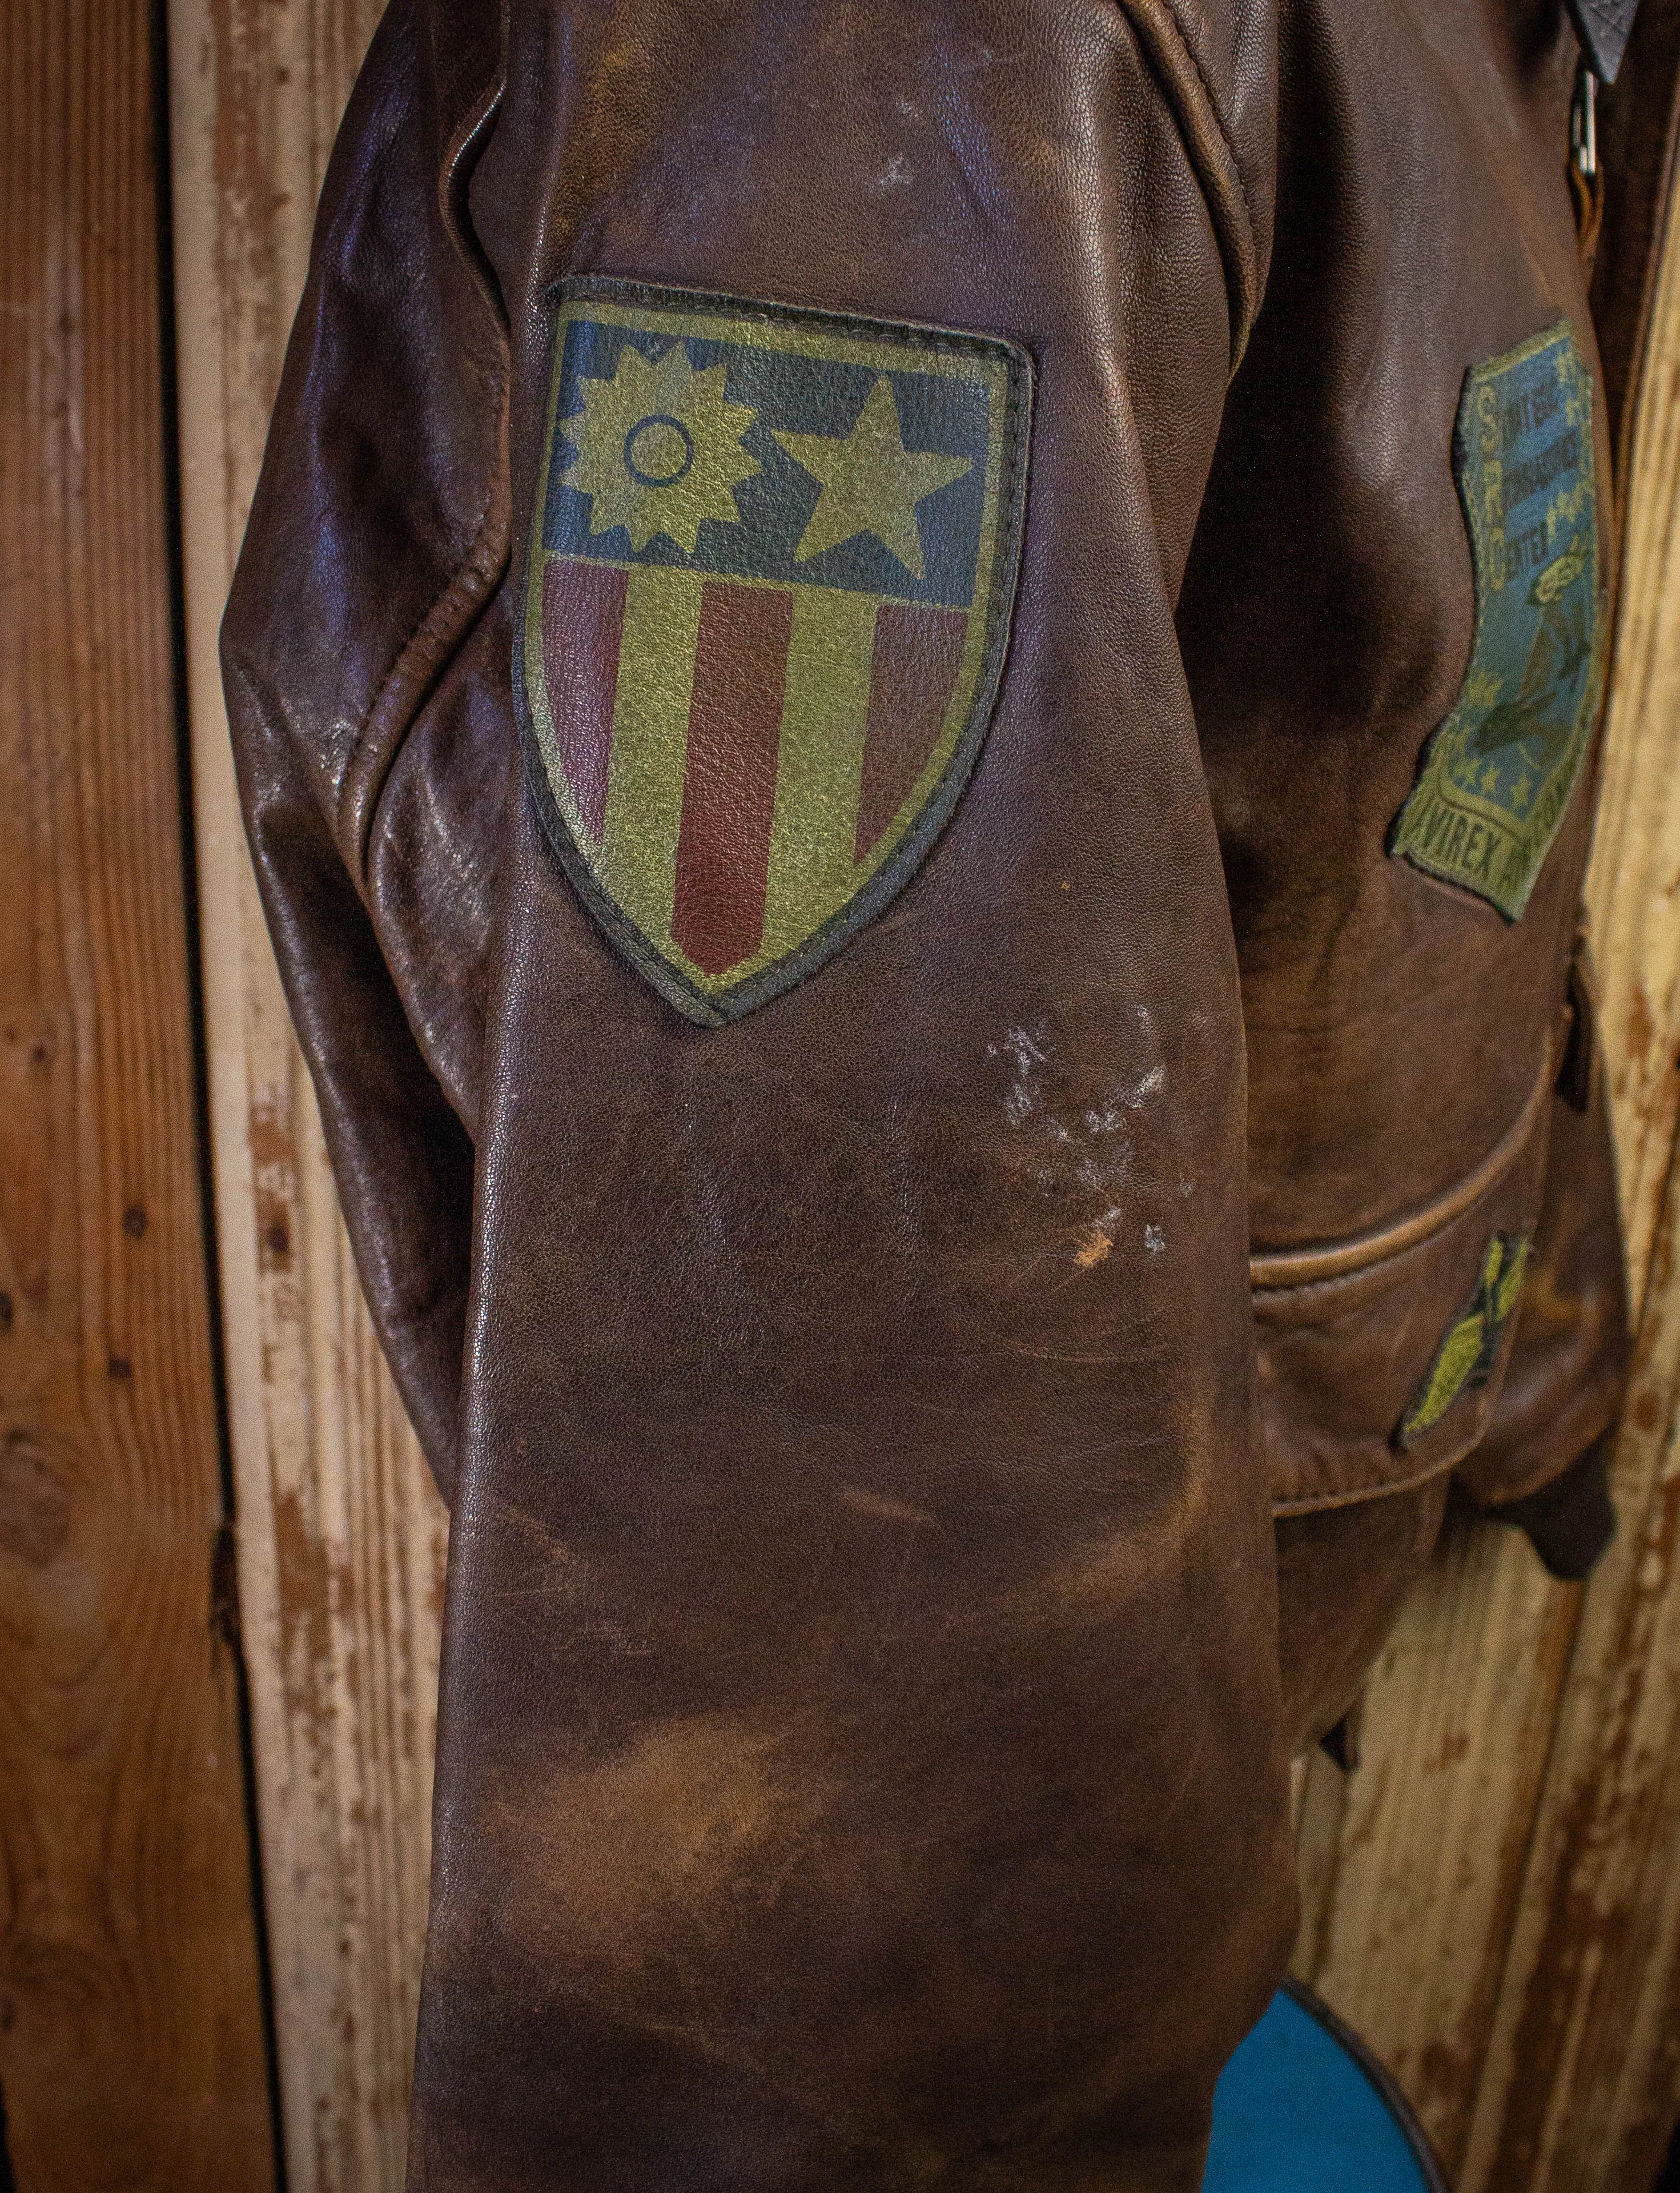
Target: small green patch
x=1498 y=775
x=1466 y=1358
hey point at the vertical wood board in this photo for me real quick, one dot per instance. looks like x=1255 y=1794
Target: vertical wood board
x=1411 y=1864
x=131 y=2044
x=1583 y=2078
x=1413 y=1869
x=1443 y=1903
x=1580 y=2085
x=1633 y=885
x=342 y=1536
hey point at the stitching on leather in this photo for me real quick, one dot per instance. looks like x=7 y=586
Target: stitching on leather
x=1225 y=137
x=1240 y=340
x=1155 y=24
x=417 y=667
x=1363 y=1252
x=1316 y=1503
x=433 y=643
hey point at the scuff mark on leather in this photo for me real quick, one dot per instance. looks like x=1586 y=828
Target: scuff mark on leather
x=1026 y=1051
x=633 y=1862
x=881 y=1506
x=1098 y=1242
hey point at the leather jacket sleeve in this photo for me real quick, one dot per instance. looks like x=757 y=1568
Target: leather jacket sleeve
x=859 y=1758
x=378 y=532
x=867 y=1366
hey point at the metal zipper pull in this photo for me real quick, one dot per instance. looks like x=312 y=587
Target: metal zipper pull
x=1586 y=181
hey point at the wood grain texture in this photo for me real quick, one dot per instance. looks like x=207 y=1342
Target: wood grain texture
x=131 y=2048
x=1489 y=1898
x=1583 y=2077
x=1419 y=1872
x=342 y=1537
x=1634 y=887
x=1411 y=1864
x=1583 y=2073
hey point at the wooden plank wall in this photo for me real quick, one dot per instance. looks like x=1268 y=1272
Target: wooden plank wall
x=1582 y=2077
x=342 y=1536
x=131 y=2044
x=1488 y=1897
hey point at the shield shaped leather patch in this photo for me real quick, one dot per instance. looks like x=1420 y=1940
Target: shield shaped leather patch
x=1497 y=775
x=765 y=606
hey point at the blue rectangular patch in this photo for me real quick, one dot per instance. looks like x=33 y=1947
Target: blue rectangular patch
x=1498 y=774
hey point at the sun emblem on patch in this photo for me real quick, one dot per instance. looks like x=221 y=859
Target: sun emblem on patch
x=767 y=595
x=659 y=448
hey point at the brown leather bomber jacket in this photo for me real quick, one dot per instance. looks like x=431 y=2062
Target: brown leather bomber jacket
x=916 y=683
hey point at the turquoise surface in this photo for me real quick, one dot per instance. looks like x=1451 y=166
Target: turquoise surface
x=1295 y=2112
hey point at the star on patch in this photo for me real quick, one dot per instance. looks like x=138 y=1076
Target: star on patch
x=871 y=482
x=765 y=603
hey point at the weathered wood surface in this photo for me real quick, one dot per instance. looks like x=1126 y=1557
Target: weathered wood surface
x=341 y=1537
x=1413 y=1869
x=131 y=2046
x=1582 y=2081
x=1633 y=889
x=1583 y=2073
x=1492 y=1898
x=1411 y=1864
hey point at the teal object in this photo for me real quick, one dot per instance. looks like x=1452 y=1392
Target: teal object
x=1303 y=2107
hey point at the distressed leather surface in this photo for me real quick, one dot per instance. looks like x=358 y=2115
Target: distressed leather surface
x=872 y=1663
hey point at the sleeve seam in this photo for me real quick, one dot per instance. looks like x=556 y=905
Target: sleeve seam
x=434 y=642
x=1211 y=154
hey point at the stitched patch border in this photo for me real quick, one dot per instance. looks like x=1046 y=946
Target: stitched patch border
x=1497 y=776
x=689 y=436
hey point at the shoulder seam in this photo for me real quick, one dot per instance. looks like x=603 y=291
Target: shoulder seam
x=1212 y=155
x=440 y=633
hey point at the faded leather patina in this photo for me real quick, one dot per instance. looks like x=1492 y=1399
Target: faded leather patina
x=925 y=1453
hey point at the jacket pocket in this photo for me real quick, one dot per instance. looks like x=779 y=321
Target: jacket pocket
x=1379 y=1358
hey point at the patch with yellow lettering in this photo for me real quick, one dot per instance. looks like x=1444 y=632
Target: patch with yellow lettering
x=1498 y=774
x=764 y=612
x=1466 y=1358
